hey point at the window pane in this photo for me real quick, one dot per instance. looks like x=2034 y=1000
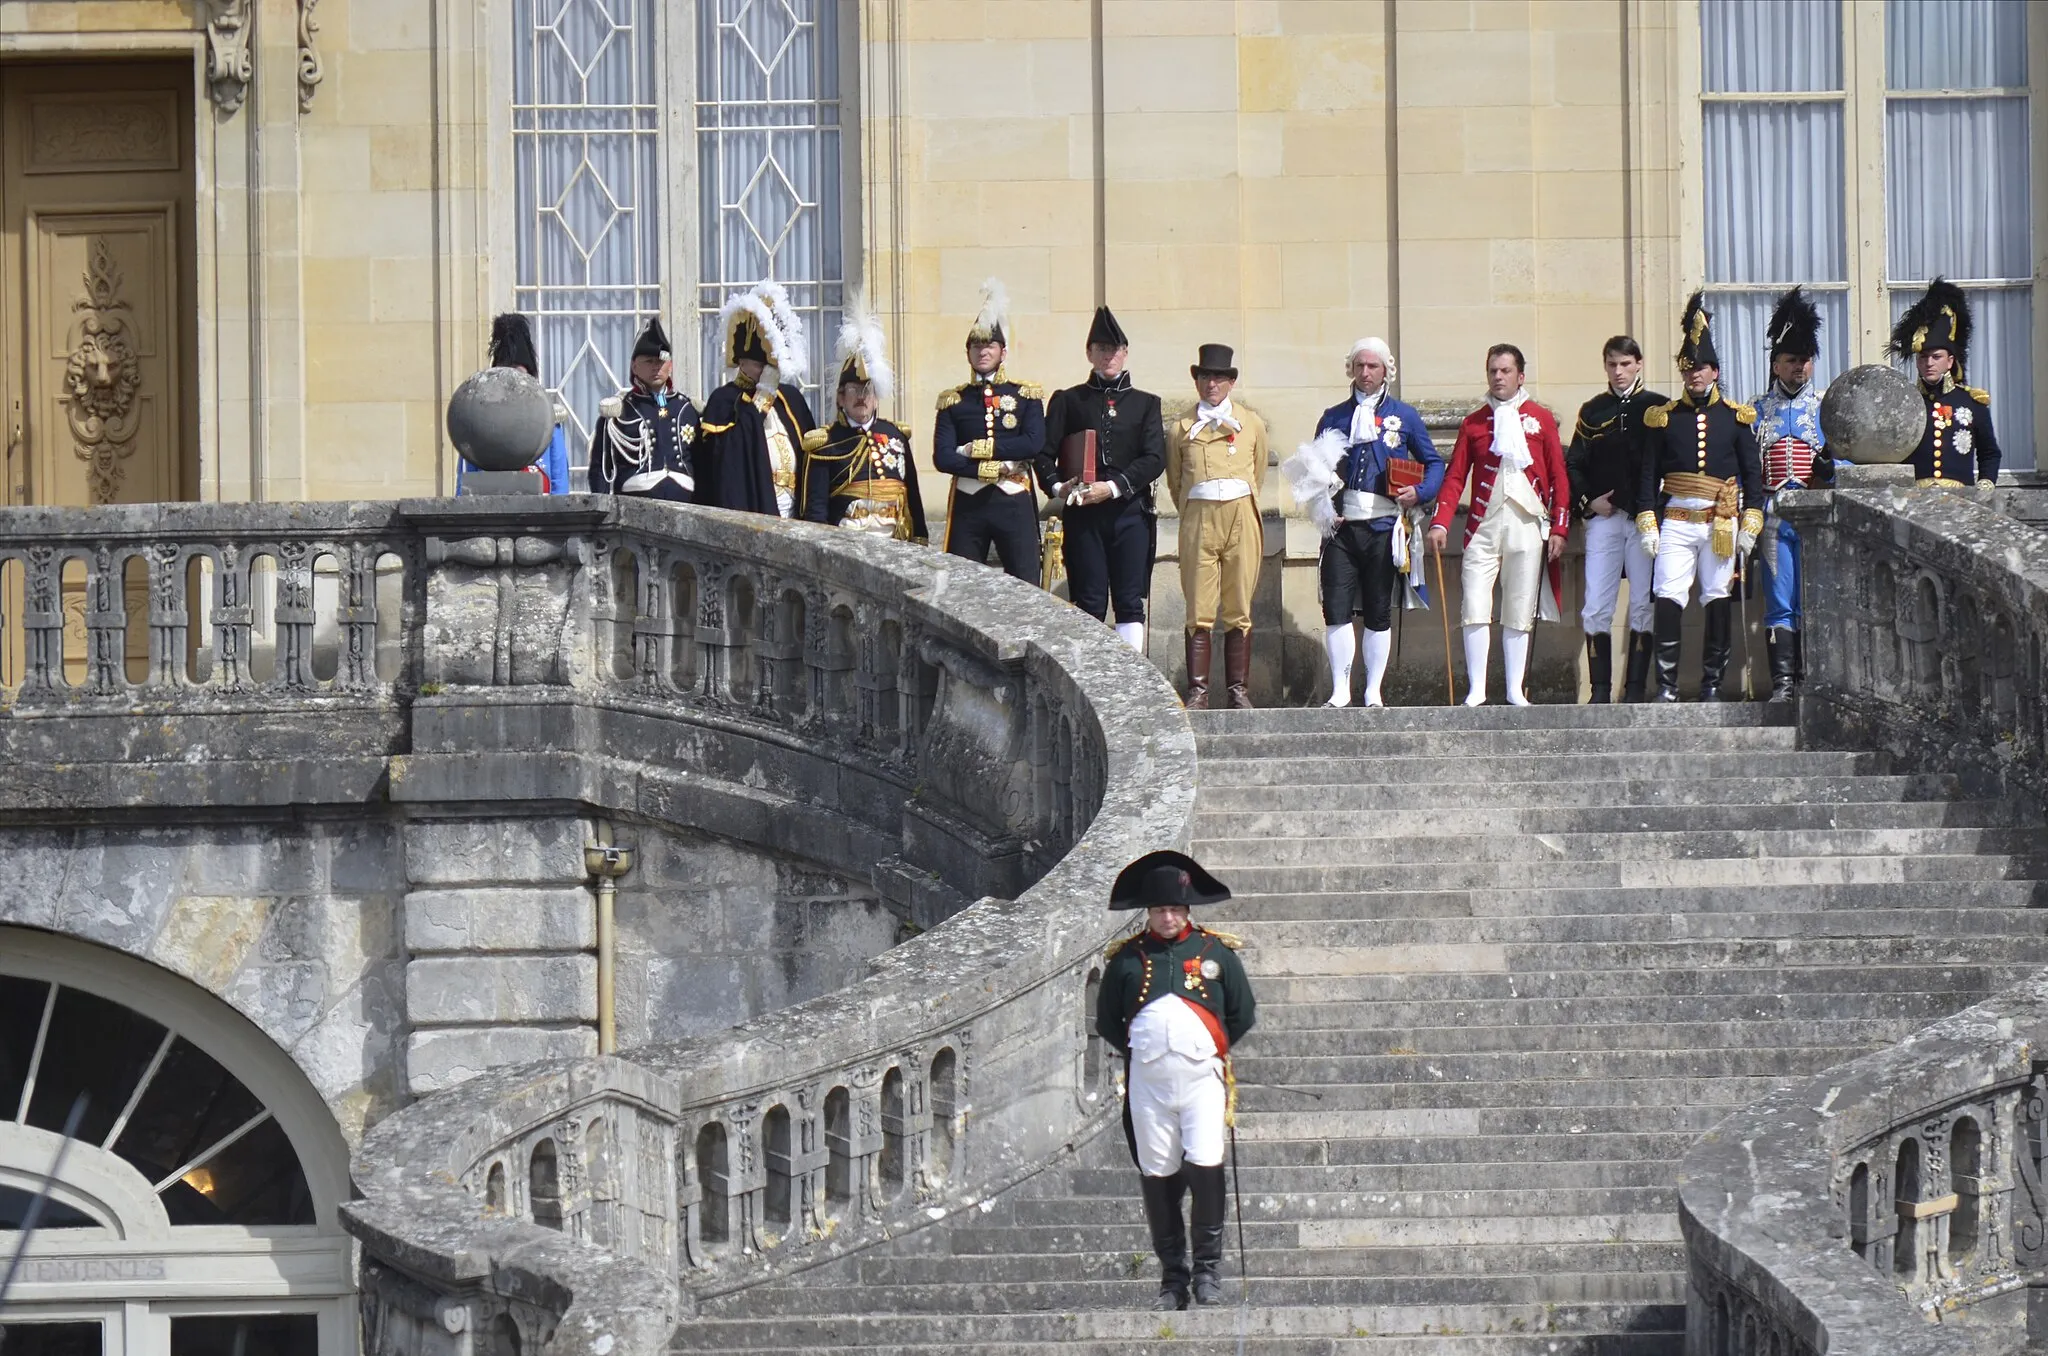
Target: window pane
x=245 y=1335
x=255 y=1180
x=97 y=1048
x=15 y=1204
x=21 y=1016
x=1774 y=193
x=1757 y=46
x=51 y=1339
x=587 y=189
x=191 y=1103
x=1957 y=184
x=1739 y=319
x=769 y=147
x=2000 y=361
x=1955 y=44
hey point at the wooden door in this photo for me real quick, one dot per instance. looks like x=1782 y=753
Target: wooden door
x=98 y=298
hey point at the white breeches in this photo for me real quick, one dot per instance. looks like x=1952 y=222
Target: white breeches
x=1508 y=546
x=1684 y=553
x=1614 y=550
x=1177 y=1112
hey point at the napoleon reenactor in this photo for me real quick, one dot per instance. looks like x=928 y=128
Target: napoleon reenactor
x=644 y=442
x=1957 y=448
x=1793 y=449
x=1702 y=479
x=758 y=426
x=1111 y=534
x=989 y=433
x=1174 y=1001
x=864 y=477
x=1604 y=463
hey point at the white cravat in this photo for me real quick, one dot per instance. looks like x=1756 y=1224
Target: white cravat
x=1365 y=418
x=1219 y=415
x=1510 y=443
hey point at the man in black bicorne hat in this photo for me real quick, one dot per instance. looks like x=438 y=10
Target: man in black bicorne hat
x=1958 y=447
x=644 y=442
x=758 y=427
x=1111 y=534
x=1174 y=1000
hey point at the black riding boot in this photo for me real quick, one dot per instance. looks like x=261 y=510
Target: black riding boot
x=1799 y=657
x=1600 y=667
x=1784 y=649
x=1642 y=648
x=1205 y=1220
x=1670 y=625
x=1169 y=1237
x=1714 y=654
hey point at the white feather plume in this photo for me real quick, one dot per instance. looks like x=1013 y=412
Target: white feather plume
x=1311 y=475
x=751 y=304
x=794 y=354
x=860 y=334
x=995 y=309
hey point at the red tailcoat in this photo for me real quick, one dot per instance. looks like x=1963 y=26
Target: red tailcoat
x=1474 y=457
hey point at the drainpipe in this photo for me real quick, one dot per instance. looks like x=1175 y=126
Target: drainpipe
x=606 y=861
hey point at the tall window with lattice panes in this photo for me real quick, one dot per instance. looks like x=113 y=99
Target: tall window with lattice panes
x=1865 y=186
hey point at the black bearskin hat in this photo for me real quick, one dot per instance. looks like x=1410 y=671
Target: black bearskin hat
x=1794 y=327
x=512 y=344
x=1939 y=320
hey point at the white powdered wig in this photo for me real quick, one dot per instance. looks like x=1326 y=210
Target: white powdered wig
x=995 y=311
x=860 y=336
x=1311 y=475
x=1375 y=346
x=747 y=303
x=793 y=355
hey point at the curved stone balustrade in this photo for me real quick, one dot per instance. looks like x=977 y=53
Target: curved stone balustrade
x=879 y=709
x=1847 y=1211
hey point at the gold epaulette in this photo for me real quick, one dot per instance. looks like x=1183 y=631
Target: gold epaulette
x=1980 y=395
x=1030 y=390
x=1115 y=948
x=816 y=439
x=948 y=399
x=1229 y=939
x=1745 y=414
x=1657 y=416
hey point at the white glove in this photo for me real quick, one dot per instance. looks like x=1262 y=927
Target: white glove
x=1745 y=542
x=1649 y=541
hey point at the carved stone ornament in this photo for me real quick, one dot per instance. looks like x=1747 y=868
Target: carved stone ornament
x=102 y=377
x=310 y=72
x=228 y=66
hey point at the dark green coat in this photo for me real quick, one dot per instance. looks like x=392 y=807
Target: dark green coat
x=1143 y=968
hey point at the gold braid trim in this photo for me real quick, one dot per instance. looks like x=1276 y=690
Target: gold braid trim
x=1229 y=939
x=1745 y=414
x=1646 y=521
x=1229 y=1094
x=709 y=427
x=1657 y=416
x=948 y=399
x=1030 y=390
x=988 y=470
x=1980 y=395
x=815 y=439
x=1753 y=521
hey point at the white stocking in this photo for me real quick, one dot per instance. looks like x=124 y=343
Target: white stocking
x=1478 y=640
x=1133 y=635
x=1342 y=643
x=1514 y=653
x=1378 y=645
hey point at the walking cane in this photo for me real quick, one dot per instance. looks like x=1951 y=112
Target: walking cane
x=1443 y=608
x=1742 y=617
x=1244 y=1278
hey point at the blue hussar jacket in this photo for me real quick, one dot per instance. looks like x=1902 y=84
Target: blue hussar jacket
x=1793 y=416
x=1364 y=466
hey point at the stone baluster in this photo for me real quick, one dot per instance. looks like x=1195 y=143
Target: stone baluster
x=357 y=671
x=747 y=1182
x=714 y=674
x=916 y=1129
x=42 y=622
x=106 y=624
x=294 y=617
x=865 y=1089
x=779 y=651
x=232 y=621
x=808 y=1161
x=817 y=640
x=694 y=1251
x=654 y=626
x=168 y=619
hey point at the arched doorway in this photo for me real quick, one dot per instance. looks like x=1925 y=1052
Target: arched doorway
x=194 y=1213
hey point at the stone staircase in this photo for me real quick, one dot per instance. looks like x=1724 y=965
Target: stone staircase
x=1509 y=963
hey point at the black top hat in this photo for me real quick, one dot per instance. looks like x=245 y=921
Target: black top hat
x=1696 y=344
x=512 y=344
x=1794 y=327
x=1217 y=360
x=1165 y=877
x=1939 y=320
x=653 y=341
x=1105 y=331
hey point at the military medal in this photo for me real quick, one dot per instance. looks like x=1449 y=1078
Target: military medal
x=1210 y=969
x=1009 y=421
x=1194 y=970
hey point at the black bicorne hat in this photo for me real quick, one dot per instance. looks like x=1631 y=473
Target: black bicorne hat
x=653 y=341
x=512 y=344
x=1106 y=331
x=1696 y=340
x=1217 y=359
x=1794 y=327
x=1939 y=320
x=1165 y=877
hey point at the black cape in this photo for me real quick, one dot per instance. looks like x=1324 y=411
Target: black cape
x=732 y=453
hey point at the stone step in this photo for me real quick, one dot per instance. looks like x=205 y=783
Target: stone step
x=1526 y=1214
x=1285 y=1115
x=1505 y=1038
x=1674 y=955
x=1321 y=825
x=1395 y=1330
x=1538 y=770
x=1518 y=1099
x=1628 y=900
x=1728 y=872
x=1673 y=745
x=1275 y=1250
x=1172 y=1334
x=1441 y=1150
x=1586 y=717
x=1278 y=853
x=1533 y=983
x=1576 y=1067
x=1261 y=936
x=1631 y=789
x=1398 y=1181
x=1397 y=1020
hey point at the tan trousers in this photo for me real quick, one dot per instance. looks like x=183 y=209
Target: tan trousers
x=1220 y=546
x=1509 y=547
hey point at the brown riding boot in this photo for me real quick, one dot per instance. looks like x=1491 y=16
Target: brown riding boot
x=1198 y=671
x=1237 y=668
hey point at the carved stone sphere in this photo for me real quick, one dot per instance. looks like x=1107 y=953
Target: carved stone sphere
x=1872 y=415
x=501 y=419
